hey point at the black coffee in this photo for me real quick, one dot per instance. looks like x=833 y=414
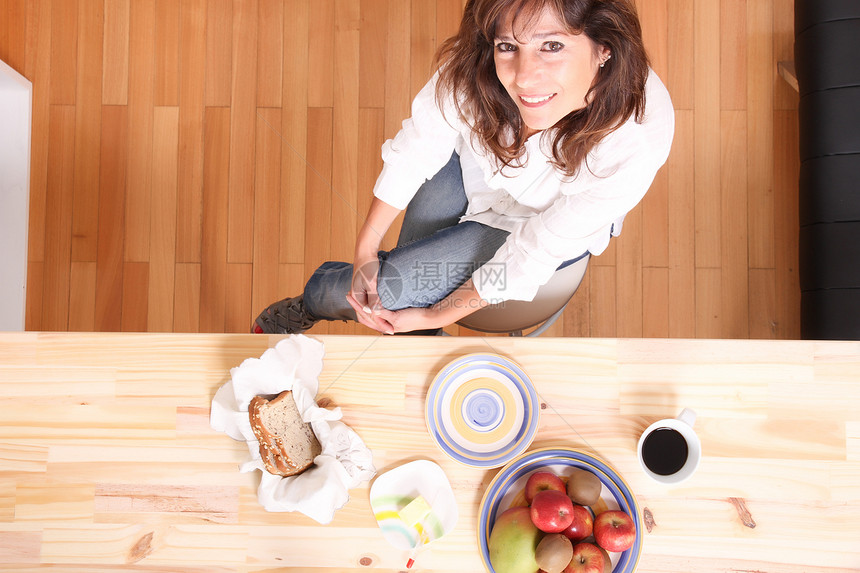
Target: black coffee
x=664 y=451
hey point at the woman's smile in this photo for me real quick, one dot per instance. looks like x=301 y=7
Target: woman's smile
x=535 y=101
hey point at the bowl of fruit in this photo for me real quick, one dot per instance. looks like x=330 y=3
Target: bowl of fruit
x=559 y=510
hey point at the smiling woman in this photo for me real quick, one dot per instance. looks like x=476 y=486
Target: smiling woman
x=549 y=73
x=545 y=43
x=524 y=152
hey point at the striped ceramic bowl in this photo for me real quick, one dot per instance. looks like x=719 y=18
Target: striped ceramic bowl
x=506 y=490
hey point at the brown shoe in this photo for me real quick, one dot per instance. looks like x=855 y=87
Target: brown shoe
x=288 y=316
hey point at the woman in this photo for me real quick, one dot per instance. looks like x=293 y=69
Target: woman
x=542 y=128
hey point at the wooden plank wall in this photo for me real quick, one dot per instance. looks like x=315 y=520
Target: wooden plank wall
x=194 y=160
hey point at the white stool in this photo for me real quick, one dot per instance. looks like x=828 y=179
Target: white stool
x=515 y=316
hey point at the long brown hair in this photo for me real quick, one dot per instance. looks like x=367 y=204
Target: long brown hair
x=468 y=73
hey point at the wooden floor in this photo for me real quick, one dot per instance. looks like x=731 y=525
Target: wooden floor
x=194 y=160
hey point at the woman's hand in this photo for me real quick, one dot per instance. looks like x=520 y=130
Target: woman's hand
x=363 y=288
x=369 y=317
x=391 y=321
x=409 y=319
x=460 y=303
x=363 y=296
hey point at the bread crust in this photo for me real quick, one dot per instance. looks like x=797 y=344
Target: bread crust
x=272 y=446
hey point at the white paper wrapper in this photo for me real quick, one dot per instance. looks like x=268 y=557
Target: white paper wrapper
x=294 y=364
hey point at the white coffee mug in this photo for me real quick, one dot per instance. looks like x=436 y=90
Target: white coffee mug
x=665 y=451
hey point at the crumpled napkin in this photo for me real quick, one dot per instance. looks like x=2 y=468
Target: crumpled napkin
x=294 y=364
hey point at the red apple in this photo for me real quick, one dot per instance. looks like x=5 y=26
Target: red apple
x=540 y=481
x=614 y=530
x=582 y=524
x=587 y=558
x=551 y=511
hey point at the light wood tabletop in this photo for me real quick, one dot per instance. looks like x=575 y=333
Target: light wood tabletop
x=108 y=462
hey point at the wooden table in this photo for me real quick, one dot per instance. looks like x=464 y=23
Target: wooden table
x=108 y=463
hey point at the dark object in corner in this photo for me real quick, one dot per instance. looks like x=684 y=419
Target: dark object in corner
x=827 y=41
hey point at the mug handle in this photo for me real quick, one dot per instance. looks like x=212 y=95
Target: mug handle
x=687 y=416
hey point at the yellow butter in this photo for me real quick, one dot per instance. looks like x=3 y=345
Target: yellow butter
x=415 y=511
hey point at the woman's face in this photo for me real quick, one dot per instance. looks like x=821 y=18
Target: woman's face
x=546 y=70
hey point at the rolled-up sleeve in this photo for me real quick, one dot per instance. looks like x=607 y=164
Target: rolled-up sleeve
x=420 y=149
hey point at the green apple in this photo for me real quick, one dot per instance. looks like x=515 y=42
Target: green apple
x=513 y=542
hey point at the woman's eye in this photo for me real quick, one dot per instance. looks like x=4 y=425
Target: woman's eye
x=505 y=47
x=553 y=46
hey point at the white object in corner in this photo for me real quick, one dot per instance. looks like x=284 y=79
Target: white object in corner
x=16 y=94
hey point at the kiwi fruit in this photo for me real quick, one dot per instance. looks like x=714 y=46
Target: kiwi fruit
x=554 y=553
x=583 y=487
x=607 y=560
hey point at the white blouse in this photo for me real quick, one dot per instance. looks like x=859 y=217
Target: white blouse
x=552 y=218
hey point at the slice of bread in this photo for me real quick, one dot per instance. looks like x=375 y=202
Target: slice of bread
x=288 y=446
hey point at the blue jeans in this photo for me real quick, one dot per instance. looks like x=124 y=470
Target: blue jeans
x=435 y=253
